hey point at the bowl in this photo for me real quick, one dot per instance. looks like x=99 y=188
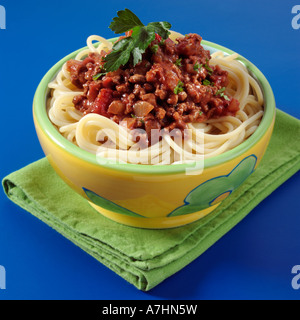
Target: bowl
x=153 y=196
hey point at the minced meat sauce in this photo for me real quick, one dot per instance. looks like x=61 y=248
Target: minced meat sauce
x=173 y=85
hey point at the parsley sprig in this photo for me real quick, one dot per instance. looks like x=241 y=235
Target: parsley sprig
x=134 y=46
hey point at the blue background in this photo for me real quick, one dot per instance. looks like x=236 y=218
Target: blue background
x=253 y=261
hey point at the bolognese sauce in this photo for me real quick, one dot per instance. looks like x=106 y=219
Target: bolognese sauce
x=173 y=85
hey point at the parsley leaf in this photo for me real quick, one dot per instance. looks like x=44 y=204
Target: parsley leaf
x=161 y=28
x=178 y=62
x=121 y=45
x=119 y=55
x=208 y=68
x=125 y=48
x=134 y=46
x=206 y=82
x=179 y=87
x=220 y=93
x=197 y=66
x=141 y=39
x=154 y=48
x=98 y=75
x=125 y=21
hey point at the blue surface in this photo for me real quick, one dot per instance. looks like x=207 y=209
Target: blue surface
x=253 y=261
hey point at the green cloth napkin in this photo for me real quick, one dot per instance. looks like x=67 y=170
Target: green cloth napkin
x=147 y=257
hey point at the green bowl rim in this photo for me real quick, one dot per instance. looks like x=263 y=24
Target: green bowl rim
x=41 y=116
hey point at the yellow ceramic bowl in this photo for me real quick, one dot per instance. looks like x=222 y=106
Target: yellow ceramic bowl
x=147 y=196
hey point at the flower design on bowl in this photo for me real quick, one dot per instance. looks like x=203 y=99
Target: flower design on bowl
x=216 y=189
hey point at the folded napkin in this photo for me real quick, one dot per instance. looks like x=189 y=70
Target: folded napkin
x=146 y=257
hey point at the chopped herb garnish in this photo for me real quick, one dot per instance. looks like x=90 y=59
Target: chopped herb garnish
x=179 y=87
x=178 y=62
x=134 y=46
x=98 y=75
x=208 y=68
x=154 y=48
x=220 y=93
x=200 y=113
x=207 y=82
x=162 y=43
x=197 y=66
x=133 y=115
